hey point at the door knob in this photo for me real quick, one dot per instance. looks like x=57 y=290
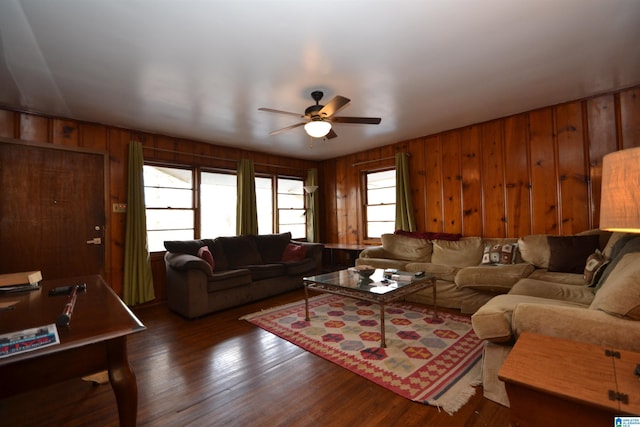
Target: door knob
x=95 y=241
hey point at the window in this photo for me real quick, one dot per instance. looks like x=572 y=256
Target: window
x=168 y=196
x=218 y=199
x=188 y=203
x=380 y=203
x=264 y=202
x=291 y=209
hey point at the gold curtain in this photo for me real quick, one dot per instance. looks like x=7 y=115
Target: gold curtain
x=404 y=205
x=313 y=231
x=138 y=280
x=246 y=209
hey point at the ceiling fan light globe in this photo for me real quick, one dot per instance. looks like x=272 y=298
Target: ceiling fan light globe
x=317 y=128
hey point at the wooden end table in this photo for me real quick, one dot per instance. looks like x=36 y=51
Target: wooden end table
x=557 y=382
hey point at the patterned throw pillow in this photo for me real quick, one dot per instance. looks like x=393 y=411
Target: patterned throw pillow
x=596 y=262
x=499 y=254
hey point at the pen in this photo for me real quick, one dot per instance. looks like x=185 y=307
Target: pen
x=65 y=317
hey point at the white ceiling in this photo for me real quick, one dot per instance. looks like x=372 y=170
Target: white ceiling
x=200 y=69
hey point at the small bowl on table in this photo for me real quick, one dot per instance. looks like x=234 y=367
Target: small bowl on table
x=365 y=271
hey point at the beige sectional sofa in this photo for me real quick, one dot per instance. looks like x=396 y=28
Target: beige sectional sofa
x=464 y=278
x=606 y=313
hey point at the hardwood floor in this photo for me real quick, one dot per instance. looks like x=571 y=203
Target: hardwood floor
x=221 y=371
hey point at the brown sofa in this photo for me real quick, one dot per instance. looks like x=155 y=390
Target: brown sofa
x=606 y=313
x=208 y=275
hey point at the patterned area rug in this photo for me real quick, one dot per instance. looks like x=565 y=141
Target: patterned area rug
x=434 y=362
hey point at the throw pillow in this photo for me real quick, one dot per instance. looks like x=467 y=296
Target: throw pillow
x=294 y=252
x=593 y=269
x=568 y=254
x=205 y=254
x=499 y=254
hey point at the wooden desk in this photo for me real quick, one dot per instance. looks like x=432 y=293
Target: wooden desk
x=350 y=249
x=94 y=341
x=557 y=382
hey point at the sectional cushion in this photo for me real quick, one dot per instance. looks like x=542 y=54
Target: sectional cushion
x=462 y=253
x=272 y=246
x=535 y=250
x=239 y=251
x=493 y=278
x=407 y=248
x=620 y=293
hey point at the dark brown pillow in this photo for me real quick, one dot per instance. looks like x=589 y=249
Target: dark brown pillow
x=569 y=253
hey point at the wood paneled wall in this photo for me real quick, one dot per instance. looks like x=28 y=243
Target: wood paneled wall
x=538 y=172
x=34 y=128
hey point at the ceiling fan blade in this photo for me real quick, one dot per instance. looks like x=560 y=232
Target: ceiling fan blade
x=271 y=110
x=331 y=134
x=360 y=120
x=333 y=106
x=297 y=125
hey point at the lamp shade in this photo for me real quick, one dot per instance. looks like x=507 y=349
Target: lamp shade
x=310 y=188
x=317 y=128
x=620 y=200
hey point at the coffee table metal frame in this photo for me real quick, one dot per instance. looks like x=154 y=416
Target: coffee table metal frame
x=353 y=287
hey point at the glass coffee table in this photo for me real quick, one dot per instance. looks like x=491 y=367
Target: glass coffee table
x=377 y=289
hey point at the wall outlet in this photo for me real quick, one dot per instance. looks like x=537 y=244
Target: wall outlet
x=120 y=207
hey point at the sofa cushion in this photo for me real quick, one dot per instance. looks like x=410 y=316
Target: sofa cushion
x=493 y=321
x=462 y=253
x=407 y=248
x=535 y=250
x=493 y=278
x=568 y=254
x=383 y=263
x=239 y=251
x=272 y=246
x=294 y=252
x=299 y=268
x=228 y=279
x=556 y=291
x=620 y=293
x=439 y=271
x=265 y=271
x=554 y=276
x=190 y=247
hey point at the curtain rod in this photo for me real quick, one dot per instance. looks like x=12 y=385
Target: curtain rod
x=219 y=158
x=376 y=160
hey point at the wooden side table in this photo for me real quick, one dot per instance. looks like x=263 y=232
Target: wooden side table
x=557 y=382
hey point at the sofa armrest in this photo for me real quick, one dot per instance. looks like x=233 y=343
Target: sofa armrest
x=374 y=252
x=183 y=262
x=313 y=252
x=579 y=324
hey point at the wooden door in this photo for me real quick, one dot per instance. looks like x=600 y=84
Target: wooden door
x=52 y=212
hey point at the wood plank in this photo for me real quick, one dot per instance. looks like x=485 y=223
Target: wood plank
x=472 y=212
x=433 y=165
x=572 y=169
x=630 y=118
x=543 y=173
x=451 y=183
x=218 y=370
x=602 y=139
x=517 y=176
x=493 y=188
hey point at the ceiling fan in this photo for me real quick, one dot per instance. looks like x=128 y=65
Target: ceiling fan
x=320 y=117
